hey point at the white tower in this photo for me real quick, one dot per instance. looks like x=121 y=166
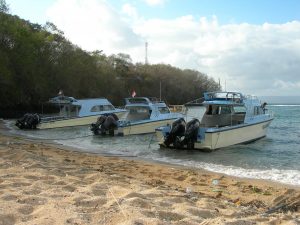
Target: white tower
x=146 y=52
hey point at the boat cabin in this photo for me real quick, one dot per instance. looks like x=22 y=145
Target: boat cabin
x=71 y=107
x=229 y=108
x=142 y=108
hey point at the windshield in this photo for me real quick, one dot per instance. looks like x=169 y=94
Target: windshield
x=163 y=110
x=136 y=113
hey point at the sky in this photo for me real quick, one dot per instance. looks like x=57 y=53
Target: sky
x=251 y=46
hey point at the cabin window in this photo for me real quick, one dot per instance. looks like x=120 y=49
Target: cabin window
x=136 y=113
x=163 y=110
x=212 y=110
x=216 y=110
x=99 y=108
x=70 y=110
x=135 y=110
x=224 y=110
x=239 y=109
x=108 y=108
x=258 y=110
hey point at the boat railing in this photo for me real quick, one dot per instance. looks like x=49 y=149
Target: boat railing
x=195 y=102
x=251 y=97
x=224 y=96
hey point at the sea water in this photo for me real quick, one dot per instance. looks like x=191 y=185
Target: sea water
x=275 y=157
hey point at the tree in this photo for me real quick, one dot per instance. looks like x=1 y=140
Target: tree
x=36 y=61
x=3 y=6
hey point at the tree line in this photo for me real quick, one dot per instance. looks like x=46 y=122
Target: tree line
x=37 y=60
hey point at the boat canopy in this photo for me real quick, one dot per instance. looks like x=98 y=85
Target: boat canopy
x=142 y=100
x=60 y=100
x=223 y=98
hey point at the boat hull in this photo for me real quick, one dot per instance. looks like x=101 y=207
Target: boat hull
x=225 y=137
x=143 y=128
x=72 y=122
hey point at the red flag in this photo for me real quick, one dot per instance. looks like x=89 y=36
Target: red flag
x=133 y=94
x=60 y=92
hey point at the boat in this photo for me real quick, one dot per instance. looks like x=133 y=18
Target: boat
x=73 y=112
x=143 y=116
x=230 y=118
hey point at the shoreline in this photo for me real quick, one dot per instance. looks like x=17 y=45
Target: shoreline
x=5 y=131
x=39 y=181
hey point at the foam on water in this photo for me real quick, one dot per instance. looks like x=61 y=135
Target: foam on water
x=286 y=105
x=291 y=177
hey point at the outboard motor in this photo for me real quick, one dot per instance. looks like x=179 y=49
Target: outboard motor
x=177 y=131
x=96 y=127
x=107 y=122
x=191 y=133
x=28 y=121
x=110 y=124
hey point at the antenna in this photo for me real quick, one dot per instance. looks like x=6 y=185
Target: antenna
x=146 y=52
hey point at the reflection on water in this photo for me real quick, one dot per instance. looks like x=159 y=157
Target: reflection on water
x=275 y=157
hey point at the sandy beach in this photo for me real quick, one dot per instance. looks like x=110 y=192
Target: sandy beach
x=44 y=183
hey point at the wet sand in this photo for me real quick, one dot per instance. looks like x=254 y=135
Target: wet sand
x=47 y=184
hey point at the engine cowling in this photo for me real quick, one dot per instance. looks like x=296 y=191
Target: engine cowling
x=177 y=131
x=105 y=123
x=191 y=133
x=28 y=121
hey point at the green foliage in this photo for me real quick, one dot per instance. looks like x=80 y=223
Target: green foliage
x=3 y=6
x=36 y=61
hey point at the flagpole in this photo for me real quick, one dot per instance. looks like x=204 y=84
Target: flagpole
x=160 y=90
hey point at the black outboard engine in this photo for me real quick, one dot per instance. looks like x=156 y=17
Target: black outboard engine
x=177 y=131
x=110 y=124
x=106 y=122
x=28 y=121
x=191 y=133
x=96 y=127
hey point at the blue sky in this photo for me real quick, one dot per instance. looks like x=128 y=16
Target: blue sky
x=253 y=46
x=228 y=11
x=243 y=11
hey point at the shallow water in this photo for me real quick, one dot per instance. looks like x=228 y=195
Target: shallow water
x=275 y=157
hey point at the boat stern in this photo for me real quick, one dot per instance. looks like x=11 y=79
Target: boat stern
x=161 y=132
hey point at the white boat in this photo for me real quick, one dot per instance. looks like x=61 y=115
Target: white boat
x=143 y=116
x=230 y=118
x=72 y=113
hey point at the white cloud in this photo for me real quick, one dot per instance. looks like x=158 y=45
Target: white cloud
x=256 y=59
x=155 y=2
x=93 y=24
x=129 y=10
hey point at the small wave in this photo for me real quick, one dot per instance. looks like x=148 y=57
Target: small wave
x=291 y=177
x=286 y=105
